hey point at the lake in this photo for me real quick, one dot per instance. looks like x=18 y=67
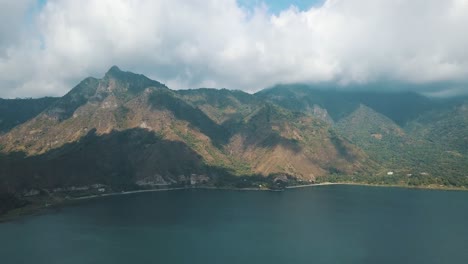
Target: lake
x=323 y=224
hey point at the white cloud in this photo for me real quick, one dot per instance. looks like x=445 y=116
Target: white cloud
x=12 y=13
x=192 y=43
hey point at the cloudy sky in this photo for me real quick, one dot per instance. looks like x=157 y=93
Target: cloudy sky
x=47 y=46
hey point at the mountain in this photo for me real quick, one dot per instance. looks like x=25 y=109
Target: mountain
x=420 y=140
x=400 y=107
x=126 y=131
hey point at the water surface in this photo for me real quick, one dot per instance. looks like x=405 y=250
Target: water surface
x=326 y=224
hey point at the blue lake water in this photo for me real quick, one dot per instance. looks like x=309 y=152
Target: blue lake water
x=326 y=224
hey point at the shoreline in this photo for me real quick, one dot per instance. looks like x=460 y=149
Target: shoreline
x=125 y=193
x=253 y=189
x=428 y=187
x=313 y=185
x=166 y=190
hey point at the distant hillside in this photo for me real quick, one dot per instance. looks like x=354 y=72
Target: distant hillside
x=17 y=111
x=400 y=107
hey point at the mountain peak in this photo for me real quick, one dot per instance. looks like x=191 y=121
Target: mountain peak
x=116 y=73
x=134 y=83
x=113 y=70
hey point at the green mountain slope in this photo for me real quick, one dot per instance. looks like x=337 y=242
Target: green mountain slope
x=419 y=140
x=448 y=128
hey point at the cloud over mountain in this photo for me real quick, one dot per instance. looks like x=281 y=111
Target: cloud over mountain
x=191 y=43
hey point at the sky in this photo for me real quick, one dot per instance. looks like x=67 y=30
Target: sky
x=276 y=6
x=48 y=46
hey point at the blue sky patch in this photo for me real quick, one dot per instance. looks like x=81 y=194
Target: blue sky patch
x=277 y=6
